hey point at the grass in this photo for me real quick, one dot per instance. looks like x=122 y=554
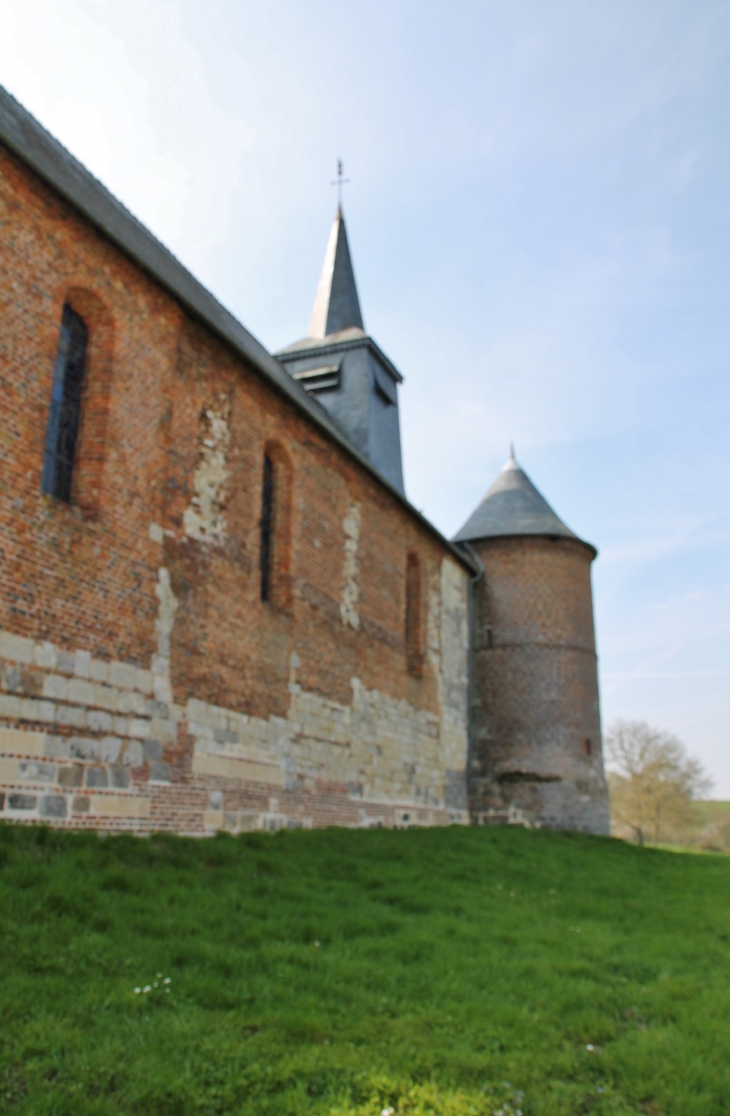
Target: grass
x=449 y=971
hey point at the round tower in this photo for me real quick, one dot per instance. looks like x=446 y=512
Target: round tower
x=536 y=754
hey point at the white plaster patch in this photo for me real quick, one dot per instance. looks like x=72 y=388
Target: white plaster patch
x=350 y=594
x=203 y=518
x=163 y=624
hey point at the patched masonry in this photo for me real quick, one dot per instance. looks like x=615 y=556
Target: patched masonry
x=85 y=742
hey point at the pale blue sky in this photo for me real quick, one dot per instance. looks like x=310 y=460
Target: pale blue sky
x=539 y=216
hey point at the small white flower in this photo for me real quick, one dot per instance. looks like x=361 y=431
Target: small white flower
x=386 y=1111
x=167 y=990
x=316 y=944
x=147 y=988
x=157 y=985
x=590 y=1046
x=166 y=980
x=159 y=976
x=137 y=991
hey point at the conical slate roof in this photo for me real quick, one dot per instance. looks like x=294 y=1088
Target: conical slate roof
x=513 y=506
x=336 y=306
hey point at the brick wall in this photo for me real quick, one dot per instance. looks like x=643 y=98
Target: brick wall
x=537 y=755
x=143 y=682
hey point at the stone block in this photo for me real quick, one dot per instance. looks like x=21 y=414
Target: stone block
x=133 y=755
x=162 y=688
x=8 y=770
x=139 y=728
x=131 y=701
x=35 y=771
x=123 y=675
x=164 y=730
x=80 y=804
x=70 y=774
x=10 y=706
x=159 y=772
x=22 y=743
x=119 y=777
x=111 y=747
x=55 y=686
x=2 y=800
x=32 y=710
x=228 y=767
x=106 y=698
x=96 y=777
x=53 y=806
x=154 y=708
x=16 y=648
x=153 y=750
x=120 y=805
x=82 y=664
x=71 y=715
x=121 y=726
x=66 y=663
x=45 y=655
x=144 y=681
x=81 y=691
x=82 y=747
x=99 y=721
x=22 y=801
x=99 y=671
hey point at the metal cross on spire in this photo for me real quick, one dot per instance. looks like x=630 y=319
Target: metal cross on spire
x=339 y=182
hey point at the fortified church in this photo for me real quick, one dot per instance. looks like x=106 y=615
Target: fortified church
x=218 y=609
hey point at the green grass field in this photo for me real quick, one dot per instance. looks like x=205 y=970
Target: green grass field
x=450 y=971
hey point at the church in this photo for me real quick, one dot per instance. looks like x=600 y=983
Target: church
x=218 y=608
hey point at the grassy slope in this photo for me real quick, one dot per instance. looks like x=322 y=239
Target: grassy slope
x=460 y=959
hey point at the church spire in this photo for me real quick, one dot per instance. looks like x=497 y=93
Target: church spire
x=336 y=306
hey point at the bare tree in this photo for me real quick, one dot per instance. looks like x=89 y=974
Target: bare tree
x=653 y=781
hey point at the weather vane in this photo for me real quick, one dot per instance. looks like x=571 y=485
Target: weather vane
x=339 y=182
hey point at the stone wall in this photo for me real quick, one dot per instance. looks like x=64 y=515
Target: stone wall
x=144 y=684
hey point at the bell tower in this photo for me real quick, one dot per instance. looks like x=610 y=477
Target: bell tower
x=343 y=368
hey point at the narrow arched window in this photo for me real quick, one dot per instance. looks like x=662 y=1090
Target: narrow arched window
x=65 y=410
x=266 y=551
x=414 y=605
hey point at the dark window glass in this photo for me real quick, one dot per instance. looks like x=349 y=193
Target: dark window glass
x=65 y=410
x=414 y=649
x=267 y=525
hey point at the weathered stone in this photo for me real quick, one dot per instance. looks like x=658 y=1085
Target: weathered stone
x=119 y=776
x=153 y=750
x=22 y=801
x=53 y=806
x=97 y=777
x=33 y=770
x=159 y=772
x=70 y=775
x=80 y=804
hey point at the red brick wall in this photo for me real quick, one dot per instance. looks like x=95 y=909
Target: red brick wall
x=84 y=576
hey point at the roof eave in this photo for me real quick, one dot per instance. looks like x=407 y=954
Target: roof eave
x=528 y=535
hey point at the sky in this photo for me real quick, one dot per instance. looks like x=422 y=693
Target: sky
x=539 y=217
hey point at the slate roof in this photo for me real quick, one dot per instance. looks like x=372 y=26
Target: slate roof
x=513 y=507
x=336 y=306
x=38 y=149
